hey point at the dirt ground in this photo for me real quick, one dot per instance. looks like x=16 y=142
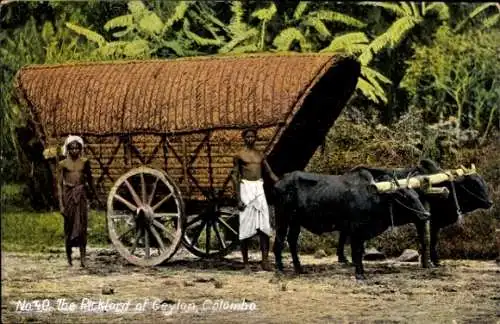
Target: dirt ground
x=200 y=291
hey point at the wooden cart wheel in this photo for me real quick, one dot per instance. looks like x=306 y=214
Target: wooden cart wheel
x=213 y=233
x=145 y=215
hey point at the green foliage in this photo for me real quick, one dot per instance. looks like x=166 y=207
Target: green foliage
x=143 y=34
x=409 y=16
x=41 y=231
x=457 y=76
x=29 y=44
x=487 y=20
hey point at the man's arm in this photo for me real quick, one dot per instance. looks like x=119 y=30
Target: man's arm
x=60 y=178
x=270 y=171
x=236 y=177
x=88 y=178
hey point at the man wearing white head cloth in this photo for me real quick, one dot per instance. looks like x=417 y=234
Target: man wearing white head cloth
x=249 y=186
x=75 y=178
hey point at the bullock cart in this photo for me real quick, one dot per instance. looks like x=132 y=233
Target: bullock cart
x=161 y=134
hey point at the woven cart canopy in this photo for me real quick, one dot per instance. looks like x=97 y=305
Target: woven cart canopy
x=169 y=96
x=302 y=94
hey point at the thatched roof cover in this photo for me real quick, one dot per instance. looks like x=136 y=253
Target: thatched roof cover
x=169 y=96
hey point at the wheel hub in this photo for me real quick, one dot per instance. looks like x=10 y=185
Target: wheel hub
x=144 y=216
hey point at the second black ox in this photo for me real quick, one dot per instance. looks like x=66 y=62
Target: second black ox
x=349 y=203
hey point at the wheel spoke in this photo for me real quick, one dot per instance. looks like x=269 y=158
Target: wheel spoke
x=223 y=222
x=153 y=191
x=121 y=216
x=193 y=220
x=146 y=243
x=143 y=188
x=126 y=232
x=136 y=241
x=196 y=237
x=134 y=194
x=164 y=230
x=158 y=238
x=207 y=237
x=126 y=202
x=162 y=201
x=217 y=233
x=164 y=216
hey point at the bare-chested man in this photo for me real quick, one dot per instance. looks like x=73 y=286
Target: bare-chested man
x=74 y=175
x=254 y=215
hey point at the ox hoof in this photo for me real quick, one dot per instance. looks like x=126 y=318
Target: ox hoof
x=345 y=263
x=360 y=277
x=300 y=270
x=435 y=264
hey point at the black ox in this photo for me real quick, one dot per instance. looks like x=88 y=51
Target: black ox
x=349 y=203
x=466 y=194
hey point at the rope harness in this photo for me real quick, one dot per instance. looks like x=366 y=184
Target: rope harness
x=391 y=213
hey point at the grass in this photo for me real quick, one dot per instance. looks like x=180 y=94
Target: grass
x=42 y=232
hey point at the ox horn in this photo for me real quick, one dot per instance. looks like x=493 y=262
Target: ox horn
x=472 y=167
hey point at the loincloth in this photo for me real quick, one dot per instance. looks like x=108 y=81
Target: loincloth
x=255 y=216
x=75 y=214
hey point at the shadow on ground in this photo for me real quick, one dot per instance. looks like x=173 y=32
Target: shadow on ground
x=106 y=261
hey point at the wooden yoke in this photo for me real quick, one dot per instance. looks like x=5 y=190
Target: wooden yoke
x=425 y=182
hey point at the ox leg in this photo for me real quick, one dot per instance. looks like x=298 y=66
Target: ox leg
x=433 y=246
x=340 y=248
x=279 y=241
x=293 y=238
x=68 y=252
x=357 y=257
x=423 y=237
x=83 y=249
x=264 y=248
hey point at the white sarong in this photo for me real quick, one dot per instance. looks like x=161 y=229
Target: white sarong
x=255 y=216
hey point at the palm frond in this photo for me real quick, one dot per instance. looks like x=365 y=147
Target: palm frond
x=391 y=6
x=481 y=8
x=236 y=24
x=491 y=21
x=120 y=21
x=137 y=48
x=370 y=91
x=415 y=9
x=441 y=8
x=407 y=8
x=253 y=32
x=252 y=48
x=123 y=32
x=197 y=38
x=111 y=49
x=175 y=46
x=151 y=24
x=179 y=13
x=328 y=15
x=300 y=9
x=265 y=13
x=318 y=25
x=137 y=8
x=89 y=34
x=389 y=38
x=285 y=39
x=351 y=42
x=372 y=74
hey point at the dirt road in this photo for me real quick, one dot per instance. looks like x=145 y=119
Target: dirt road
x=192 y=290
